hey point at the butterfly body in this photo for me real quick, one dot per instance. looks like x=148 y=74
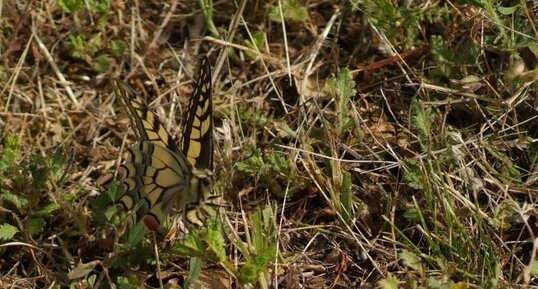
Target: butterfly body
x=157 y=176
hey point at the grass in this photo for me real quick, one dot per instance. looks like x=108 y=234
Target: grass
x=358 y=144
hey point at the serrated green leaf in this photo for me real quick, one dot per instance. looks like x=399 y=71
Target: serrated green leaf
x=293 y=12
x=413 y=174
x=342 y=85
x=248 y=274
x=423 y=118
x=118 y=47
x=412 y=215
x=11 y=153
x=102 y=7
x=243 y=167
x=102 y=63
x=191 y=245
x=35 y=226
x=391 y=282
x=215 y=239
x=76 y=45
x=443 y=55
x=278 y=162
x=342 y=88
x=7 y=232
x=15 y=200
x=47 y=209
x=129 y=283
x=411 y=260
x=71 y=6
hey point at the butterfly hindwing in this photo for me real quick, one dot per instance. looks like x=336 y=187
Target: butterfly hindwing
x=155 y=179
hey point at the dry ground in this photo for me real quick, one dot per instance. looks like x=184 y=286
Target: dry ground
x=358 y=143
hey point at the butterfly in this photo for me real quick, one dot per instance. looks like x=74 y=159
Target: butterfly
x=157 y=175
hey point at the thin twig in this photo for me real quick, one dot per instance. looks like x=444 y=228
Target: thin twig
x=52 y=64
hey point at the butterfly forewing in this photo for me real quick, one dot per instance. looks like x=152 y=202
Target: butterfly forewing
x=145 y=123
x=197 y=138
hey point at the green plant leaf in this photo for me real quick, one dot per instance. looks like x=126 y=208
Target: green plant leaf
x=191 y=245
x=413 y=174
x=347 y=197
x=102 y=63
x=129 y=283
x=342 y=85
x=411 y=260
x=243 y=167
x=423 y=118
x=82 y=269
x=7 y=232
x=248 y=274
x=391 y=282
x=71 y=6
x=412 y=215
x=35 y=226
x=118 y=47
x=293 y=12
x=278 y=162
x=76 y=45
x=47 y=209
x=251 y=270
x=18 y=201
x=215 y=239
x=102 y=7
x=257 y=42
x=443 y=55
x=207 y=9
x=11 y=152
x=102 y=206
x=508 y=10
x=195 y=267
x=342 y=88
x=136 y=233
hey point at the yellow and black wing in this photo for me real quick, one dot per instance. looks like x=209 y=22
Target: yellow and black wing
x=197 y=137
x=145 y=123
x=155 y=179
x=155 y=175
